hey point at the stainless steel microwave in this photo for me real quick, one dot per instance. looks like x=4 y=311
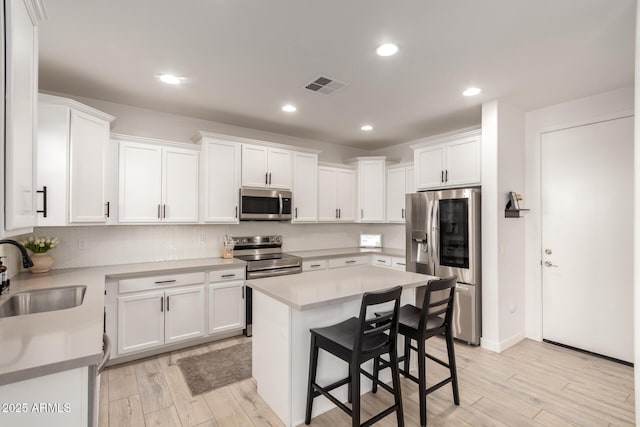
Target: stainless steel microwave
x=265 y=204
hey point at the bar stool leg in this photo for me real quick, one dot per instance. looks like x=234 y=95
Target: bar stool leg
x=376 y=373
x=395 y=376
x=313 y=368
x=407 y=354
x=422 y=381
x=452 y=366
x=349 y=391
x=355 y=394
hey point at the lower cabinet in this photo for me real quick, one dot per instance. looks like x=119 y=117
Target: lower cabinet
x=184 y=314
x=226 y=306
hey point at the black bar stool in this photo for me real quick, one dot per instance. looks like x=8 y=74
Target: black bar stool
x=356 y=341
x=434 y=319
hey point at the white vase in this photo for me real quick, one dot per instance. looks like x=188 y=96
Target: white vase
x=41 y=263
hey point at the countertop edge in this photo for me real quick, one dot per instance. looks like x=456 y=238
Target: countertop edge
x=48 y=369
x=342 y=252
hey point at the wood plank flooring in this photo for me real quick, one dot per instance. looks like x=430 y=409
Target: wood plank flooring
x=531 y=384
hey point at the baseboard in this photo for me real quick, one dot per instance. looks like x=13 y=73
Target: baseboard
x=500 y=346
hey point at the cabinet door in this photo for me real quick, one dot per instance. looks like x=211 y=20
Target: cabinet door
x=140 y=183
x=346 y=194
x=371 y=190
x=51 y=164
x=226 y=307
x=254 y=166
x=327 y=210
x=140 y=322
x=180 y=176
x=463 y=162
x=305 y=187
x=279 y=166
x=430 y=166
x=111 y=181
x=21 y=86
x=221 y=164
x=396 y=187
x=410 y=180
x=88 y=138
x=184 y=314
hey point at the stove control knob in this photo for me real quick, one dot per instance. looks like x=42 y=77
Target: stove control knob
x=278 y=239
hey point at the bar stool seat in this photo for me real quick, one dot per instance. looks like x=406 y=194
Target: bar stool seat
x=344 y=335
x=410 y=319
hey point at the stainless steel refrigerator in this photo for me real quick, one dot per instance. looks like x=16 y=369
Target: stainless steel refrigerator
x=443 y=239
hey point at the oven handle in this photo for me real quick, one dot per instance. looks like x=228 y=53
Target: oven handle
x=280 y=201
x=270 y=273
x=278 y=267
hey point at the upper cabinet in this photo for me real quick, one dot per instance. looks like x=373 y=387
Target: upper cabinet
x=72 y=144
x=20 y=63
x=453 y=161
x=336 y=194
x=371 y=189
x=220 y=178
x=266 y=167
x=305 y=187
x=400 y=181
x=157 y=183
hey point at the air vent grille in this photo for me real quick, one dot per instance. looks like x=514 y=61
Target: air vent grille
x=325 y=85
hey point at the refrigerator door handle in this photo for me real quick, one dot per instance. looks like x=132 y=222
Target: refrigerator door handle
x=435 y=236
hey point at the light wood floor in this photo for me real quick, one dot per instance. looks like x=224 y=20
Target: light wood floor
x=532 y=383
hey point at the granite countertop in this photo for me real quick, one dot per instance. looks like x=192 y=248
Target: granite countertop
x=320 y=288
x=341 y=252
x=44 y=343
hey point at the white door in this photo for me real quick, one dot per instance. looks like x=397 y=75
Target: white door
x=463 y=162
x=184 y=314
x=180 y=178
x=371 y=190
x=279 y=162
x=140 y=183
x=21 y=83
x=396 y=187
x=346 y=194
x=327 y=208
x=226 y=307
x=221 y=164
x=305 y=187
x=430 y=164
x=140 y=321
x=254 y=166
x=87 y=168
x=587 y=237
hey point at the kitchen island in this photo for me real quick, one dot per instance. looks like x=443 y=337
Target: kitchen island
x=285 y=308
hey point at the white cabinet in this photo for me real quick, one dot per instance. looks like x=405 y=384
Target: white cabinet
x=157 y=183
x=71 y=162
x=20 y=111
x=305 y=187
x=226 y=306
x=371 y=189
x=221 y=179
x=266 y=167
x=399 y=183
x=381 y=261
x=319 y=264
x=398 y=263
x=348 y=261
x=184 y=314
x=336 y=194
x=448 y=162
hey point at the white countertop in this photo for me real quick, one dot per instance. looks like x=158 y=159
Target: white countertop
x=319 y=288
x=340 y=252
x=43 y=343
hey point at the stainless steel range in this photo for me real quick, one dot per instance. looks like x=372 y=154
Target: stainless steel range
x=264 y=258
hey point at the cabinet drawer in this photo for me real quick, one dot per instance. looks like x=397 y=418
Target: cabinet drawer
x=398 y=263
x=159 y=282
x=221 y=275
x=381 y=261
x=348 y=262
x=319 y=264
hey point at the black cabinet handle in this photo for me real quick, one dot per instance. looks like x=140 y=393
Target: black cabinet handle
x=349 y=262
x=402 y=213
x=266 y=178
x=229 y=275
x=165 y=281
x=337 y=214
x=108 y=212
x=296 y=209
x=236 y=212
x=159 y=216
x=161 y=304
x=167 y=302
x=44 y=201
x=446 y=176
x=441 y=176
x=314 y=265
x=269 y=178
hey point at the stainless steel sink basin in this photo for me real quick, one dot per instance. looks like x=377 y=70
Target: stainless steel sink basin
x=42 y=300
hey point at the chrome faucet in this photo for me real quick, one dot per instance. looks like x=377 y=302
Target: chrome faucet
x=26 y=262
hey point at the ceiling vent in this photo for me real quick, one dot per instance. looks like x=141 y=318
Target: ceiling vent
x=325 y=85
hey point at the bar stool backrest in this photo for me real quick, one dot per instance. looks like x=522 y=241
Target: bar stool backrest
x=386 y=326
x=437 y=305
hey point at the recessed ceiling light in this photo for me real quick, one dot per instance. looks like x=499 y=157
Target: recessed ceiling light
x=387 y=49
x=170 y=79
x=472 y=91
x=289 y=108
x=366 y=128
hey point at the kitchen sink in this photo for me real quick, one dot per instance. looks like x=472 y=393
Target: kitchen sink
x=42 y=300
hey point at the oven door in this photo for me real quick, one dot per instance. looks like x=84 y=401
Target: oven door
x=265 y=205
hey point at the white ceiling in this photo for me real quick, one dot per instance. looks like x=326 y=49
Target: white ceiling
x=245 y=59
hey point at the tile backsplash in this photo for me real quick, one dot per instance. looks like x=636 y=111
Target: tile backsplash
x=124 y=244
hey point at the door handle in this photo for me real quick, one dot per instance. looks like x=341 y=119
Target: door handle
x=296 y=213
x=402 y=213
x=279 y=200
x=108 y=212
x=167 y=302
x=236 y=212
x=159 y=216
x=549 y=264
x=269 y=178
x=44 y=201
x=336 y=213
x=339 y=213
x=446 y=175
x=441 y=176
x=161 y=304
x=164 y=211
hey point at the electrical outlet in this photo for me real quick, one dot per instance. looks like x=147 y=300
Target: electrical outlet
x=82 y=244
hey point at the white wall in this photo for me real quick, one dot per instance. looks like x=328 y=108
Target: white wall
x=636 y=223
x=573 y=113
